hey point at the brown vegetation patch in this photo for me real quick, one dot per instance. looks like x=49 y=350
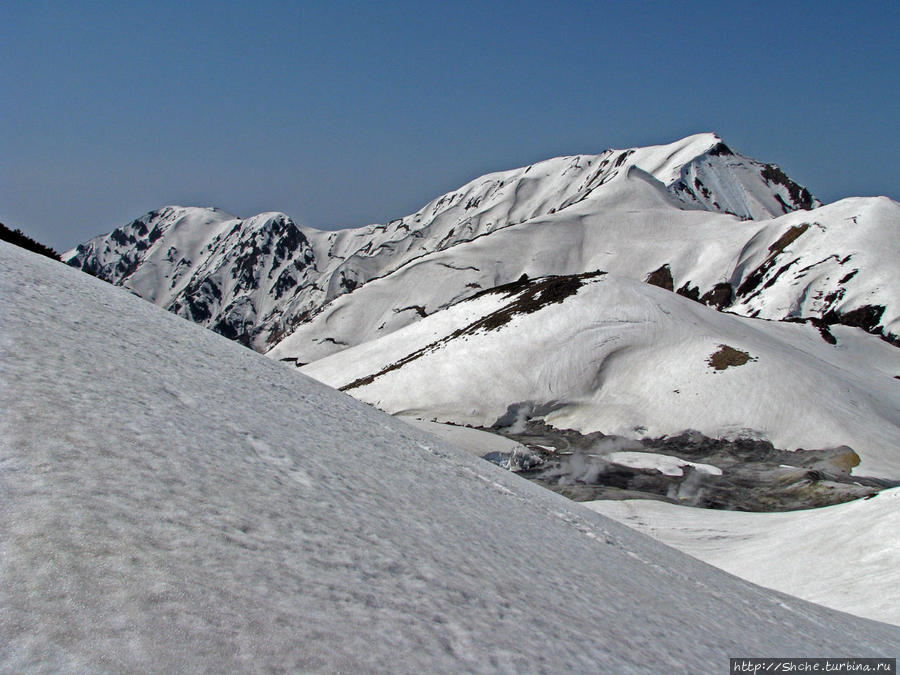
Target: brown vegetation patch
x=788 y=238
x=727 y=356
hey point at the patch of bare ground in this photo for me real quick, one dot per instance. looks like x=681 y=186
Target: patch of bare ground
x=661 y=277
x=726 y=357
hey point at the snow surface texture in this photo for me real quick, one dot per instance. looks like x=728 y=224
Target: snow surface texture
x=845 y=556
x=474 y=441
x=628 y=211
x=627 y=358
x=174 y=502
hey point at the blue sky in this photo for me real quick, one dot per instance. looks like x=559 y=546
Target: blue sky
x=346 y=113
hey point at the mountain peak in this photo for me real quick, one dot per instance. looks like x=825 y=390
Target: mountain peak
x=257 y=278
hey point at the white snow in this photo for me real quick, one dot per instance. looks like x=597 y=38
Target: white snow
x=845 y=556
x=171 y=501
x=627 y=211
x=630 y=228
x=474 y=441
x=665 y=464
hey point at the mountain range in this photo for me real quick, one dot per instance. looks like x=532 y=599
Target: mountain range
x=692 y=216
x=642 y=293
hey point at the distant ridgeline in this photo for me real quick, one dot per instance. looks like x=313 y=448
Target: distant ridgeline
x=19 y=238
x=693 y=217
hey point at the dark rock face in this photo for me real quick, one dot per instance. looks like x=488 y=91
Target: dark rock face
x=719 y=296
x=800 y=196
x=661 y=277
x=867 y=317
x=236 y=272
x=689 y=292
x=200 y=298
x=754 y=279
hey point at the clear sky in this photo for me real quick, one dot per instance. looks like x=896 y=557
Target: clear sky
x=347 y=113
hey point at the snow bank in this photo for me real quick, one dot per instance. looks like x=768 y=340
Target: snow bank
x=845 y=556
x=666 y=464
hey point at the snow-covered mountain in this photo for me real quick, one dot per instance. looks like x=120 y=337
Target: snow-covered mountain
x=534 y=290
x=833 y=265
x=661 y=213
x=596 y=352
x=173 y=502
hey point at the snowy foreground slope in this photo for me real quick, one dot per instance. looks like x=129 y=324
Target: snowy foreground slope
x=846 y=556
x=603 y=353
x=172 y=501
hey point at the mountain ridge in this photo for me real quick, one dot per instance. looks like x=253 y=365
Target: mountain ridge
x=326 y=264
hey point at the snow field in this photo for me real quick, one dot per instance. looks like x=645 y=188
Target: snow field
x=172 y=501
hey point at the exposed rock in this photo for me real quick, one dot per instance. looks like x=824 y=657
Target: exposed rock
x=662 y=277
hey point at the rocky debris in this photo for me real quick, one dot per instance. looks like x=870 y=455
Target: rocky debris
x=755 y=476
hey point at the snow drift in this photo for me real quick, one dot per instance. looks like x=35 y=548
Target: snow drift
x=846 y=556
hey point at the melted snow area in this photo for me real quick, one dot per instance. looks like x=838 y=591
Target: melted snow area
x=171 y=501
x=845 y=556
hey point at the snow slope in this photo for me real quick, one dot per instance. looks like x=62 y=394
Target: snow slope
x=172 y=501
x=220 y=271
x=622 y=357
x=474 y=441
x=845 y=556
